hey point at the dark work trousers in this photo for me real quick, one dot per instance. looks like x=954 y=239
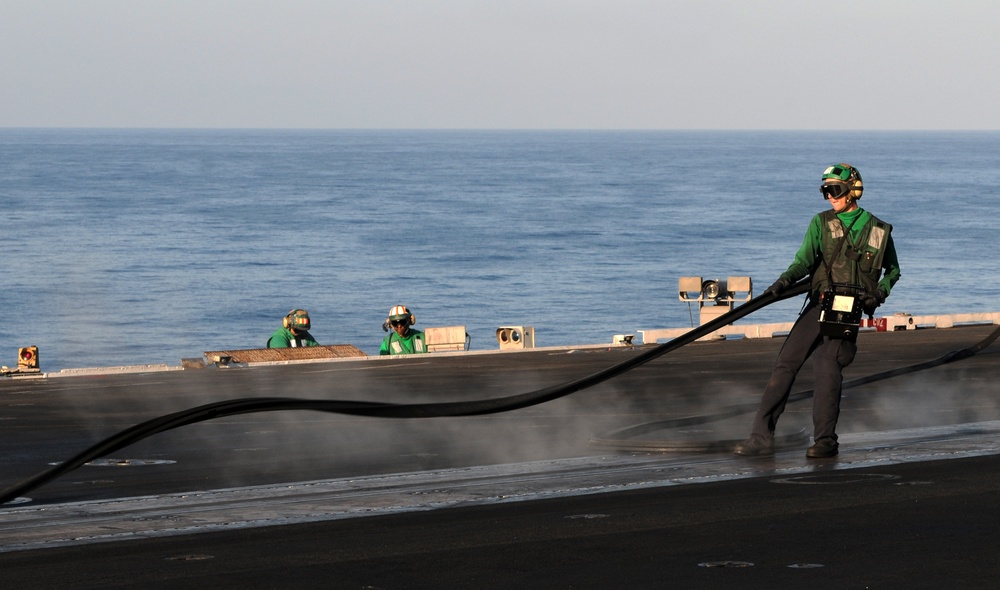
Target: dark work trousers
x=831 y=356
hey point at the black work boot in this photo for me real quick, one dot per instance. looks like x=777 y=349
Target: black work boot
x=754 y=447
x=823 y=448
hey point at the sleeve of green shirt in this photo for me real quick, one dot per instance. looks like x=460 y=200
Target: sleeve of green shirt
x=805 y=258
x=890 y=264
x=279 y=339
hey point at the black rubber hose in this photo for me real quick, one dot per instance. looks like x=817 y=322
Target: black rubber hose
x=619 y=439
x=221 y=409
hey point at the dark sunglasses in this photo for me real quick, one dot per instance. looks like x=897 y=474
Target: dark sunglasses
x=402 y=322
x=834 y=190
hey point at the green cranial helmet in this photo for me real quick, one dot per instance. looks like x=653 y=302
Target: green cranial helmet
x=843 y=174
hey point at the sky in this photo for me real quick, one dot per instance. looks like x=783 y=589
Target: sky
x=501 y=64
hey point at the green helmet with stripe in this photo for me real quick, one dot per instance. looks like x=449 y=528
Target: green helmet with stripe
x=842 y=176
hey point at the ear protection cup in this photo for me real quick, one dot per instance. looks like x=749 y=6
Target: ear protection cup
x=859 y=187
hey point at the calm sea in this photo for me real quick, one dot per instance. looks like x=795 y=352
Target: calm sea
x=147 y=246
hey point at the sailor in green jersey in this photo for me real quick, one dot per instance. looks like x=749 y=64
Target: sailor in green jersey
x=846 y=247
x=402 y=339
x=861 y=224
x=294 y=331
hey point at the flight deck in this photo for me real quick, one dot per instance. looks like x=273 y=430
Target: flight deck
x=568 y=493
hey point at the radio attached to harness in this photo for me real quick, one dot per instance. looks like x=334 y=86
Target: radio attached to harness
x=840 y=312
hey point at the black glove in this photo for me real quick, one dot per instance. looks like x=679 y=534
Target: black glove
x=871 y=302
x=776 y=289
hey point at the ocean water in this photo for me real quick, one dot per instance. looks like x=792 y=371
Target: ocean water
x=129 y=247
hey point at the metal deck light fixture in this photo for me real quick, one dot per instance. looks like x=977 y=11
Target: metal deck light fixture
x=715 y=297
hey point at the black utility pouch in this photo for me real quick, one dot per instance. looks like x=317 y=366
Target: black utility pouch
x=840 y=312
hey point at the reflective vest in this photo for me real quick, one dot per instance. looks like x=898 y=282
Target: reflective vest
x=413 y=343
x=859 y=264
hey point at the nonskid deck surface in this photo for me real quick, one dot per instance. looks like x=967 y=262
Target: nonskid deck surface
x=74 y=523
x=306 y=469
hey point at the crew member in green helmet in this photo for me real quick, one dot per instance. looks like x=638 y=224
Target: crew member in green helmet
x=294 y=331
x=849 y=254
x=402 y=339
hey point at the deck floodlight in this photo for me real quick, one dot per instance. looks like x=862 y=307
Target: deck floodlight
x=710 y=290
x=686 y=286
x=27 y=358
x=515 y=337
x=715 y=297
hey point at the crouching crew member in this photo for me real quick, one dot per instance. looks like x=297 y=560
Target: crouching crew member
x=845 y=250
x=402 y=339
x=294 y=331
